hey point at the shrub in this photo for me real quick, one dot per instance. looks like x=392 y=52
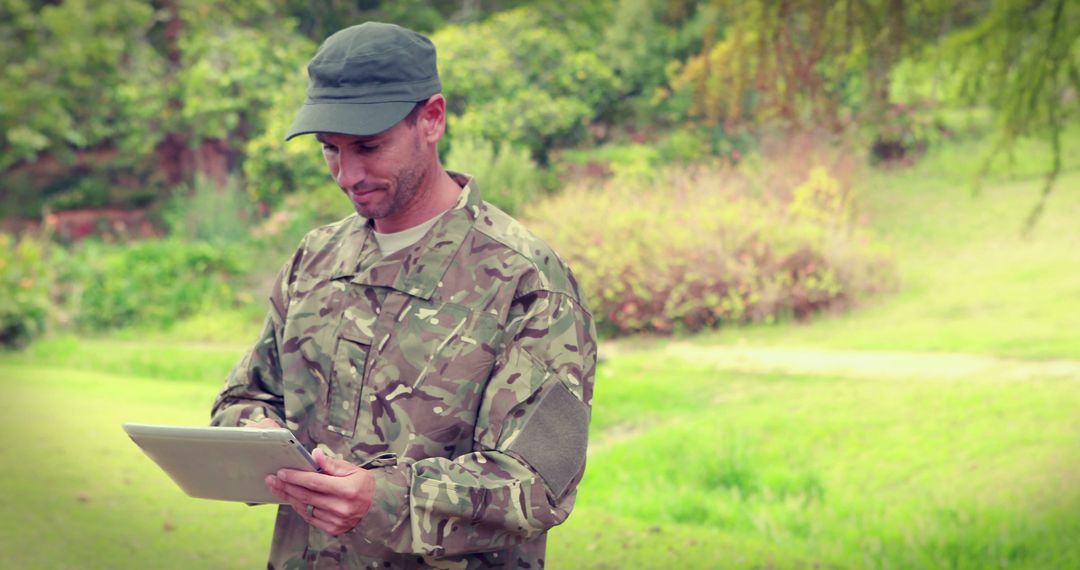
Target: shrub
x=506 y=176
x=635 y=159
x=205 y=212
x=24 y=289
x=300 y=213
x=704 y=248
x=905 y=130
x=146 y=282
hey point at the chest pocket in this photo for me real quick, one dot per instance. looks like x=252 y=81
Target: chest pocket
x=351 y=353
x=447 y=351
x=448 y=341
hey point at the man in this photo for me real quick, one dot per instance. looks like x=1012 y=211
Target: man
x=438 y=356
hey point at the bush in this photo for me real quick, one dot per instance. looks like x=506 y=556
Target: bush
x=298 y=214
x=905 y=131
x=149 y=282
x=207 y=213
x=636 y=159
x=704 y=248
x=506 y=176
x=24 y=290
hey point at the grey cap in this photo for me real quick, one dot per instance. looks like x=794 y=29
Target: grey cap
x=366 y=78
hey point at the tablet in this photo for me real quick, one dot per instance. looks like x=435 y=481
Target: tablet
x=222 y=463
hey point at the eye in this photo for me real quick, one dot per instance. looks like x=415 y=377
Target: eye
x=329 y=148
x=368 y=147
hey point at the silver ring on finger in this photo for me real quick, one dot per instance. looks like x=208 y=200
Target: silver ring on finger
x=311 y=510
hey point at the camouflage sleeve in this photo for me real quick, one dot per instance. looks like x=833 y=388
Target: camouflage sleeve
x=528 y=446
x=253 y=389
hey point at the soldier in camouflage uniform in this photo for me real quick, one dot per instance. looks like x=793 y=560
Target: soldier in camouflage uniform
x=445 y=386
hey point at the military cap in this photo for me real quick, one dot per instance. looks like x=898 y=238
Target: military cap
x=366 y=78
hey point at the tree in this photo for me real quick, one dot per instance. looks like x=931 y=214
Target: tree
x=1022 y=58
x=808 y=62
x=115 y=101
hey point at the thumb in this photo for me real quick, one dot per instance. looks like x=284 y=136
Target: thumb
x=332 y=466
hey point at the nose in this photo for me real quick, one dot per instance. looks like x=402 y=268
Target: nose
x=350 y=170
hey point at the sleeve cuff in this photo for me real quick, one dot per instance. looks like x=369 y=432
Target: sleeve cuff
x=388 y=512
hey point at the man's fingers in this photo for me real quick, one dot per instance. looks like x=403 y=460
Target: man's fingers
x=328 y=517
x=329 y=528
x=321 y=518
x=303 y=494
x=300 y=508
x=340 y=500
x=332 y=466
x=317 y=482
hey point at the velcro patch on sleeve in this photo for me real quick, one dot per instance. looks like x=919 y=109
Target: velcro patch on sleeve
x=554 y=439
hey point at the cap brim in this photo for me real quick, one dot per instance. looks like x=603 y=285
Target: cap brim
x=360 y=119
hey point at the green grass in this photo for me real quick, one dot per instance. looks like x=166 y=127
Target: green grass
x=689 y=467
x=852 y=473
x=78 y=494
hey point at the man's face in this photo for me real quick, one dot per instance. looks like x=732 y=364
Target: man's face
x=381 y=174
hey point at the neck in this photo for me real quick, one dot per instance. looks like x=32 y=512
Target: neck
x=438 y=194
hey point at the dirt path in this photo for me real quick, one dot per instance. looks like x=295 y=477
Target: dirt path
x=869 y=364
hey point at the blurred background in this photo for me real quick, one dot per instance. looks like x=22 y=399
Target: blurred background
x=832 y=248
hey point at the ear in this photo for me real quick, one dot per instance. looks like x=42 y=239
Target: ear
x=432 y=119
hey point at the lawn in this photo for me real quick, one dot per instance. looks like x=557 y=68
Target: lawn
x=933 y=428
x=691 y=465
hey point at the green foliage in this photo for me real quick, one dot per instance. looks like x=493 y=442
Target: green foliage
x=640 y=40
x=152 y=282
x=25 y=280
x=273 y=167
x=905 y=131
x=204 y=212
x=702 y=248
x=622 y=160
x=506 y=176
x=512 y=79
x=317 y=19
x=78 y=77
x=231 y=75
x=804 y=63
x=1023 y=59
x=299 y=213
x=640 y=160
x=99 y=95
x=73 y=73
x=635 y=44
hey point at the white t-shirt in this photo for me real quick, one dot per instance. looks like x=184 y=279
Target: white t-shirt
x=397 y=241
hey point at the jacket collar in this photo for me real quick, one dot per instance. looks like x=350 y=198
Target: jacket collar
x=417 y=269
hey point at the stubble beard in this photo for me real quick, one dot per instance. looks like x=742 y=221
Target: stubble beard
x=400 y=192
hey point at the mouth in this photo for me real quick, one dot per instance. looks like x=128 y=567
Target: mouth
x=359 y=195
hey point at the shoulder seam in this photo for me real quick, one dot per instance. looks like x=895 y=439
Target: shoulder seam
x=483 y=231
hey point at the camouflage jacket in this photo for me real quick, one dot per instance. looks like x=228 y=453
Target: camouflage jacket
x=459 y=370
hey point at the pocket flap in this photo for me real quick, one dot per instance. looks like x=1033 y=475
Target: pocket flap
x=356 y=327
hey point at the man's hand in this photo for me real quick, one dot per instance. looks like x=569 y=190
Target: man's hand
x=338 y=497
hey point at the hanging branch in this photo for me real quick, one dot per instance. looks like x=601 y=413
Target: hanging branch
x=1056 y=57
